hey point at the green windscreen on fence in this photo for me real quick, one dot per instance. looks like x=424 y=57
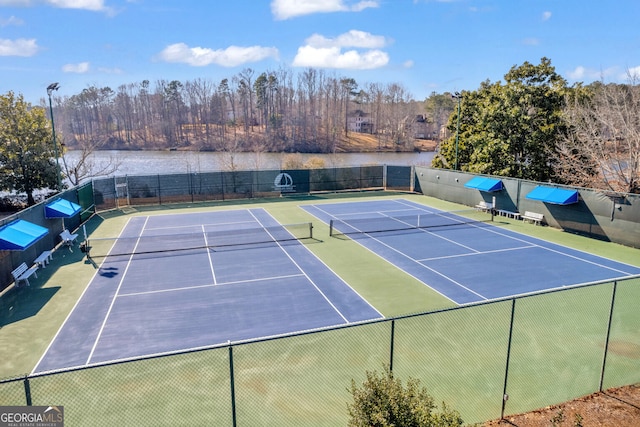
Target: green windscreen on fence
x=303 y=380
x=623 y=352
x=458 y=355
x=187 y=389
x=558 y=347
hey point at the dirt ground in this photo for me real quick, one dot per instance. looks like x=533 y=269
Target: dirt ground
x=619 y=407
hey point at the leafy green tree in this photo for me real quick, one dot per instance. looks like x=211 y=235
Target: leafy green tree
x=27 y=159
x=383 y=401
x=510 y=129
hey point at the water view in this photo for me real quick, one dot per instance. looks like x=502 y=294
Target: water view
x=154 y=162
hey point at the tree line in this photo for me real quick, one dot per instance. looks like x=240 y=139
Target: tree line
x=271 y=111
x=531 y=126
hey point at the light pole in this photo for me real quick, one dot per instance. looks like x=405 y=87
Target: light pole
x=50 y=89
x=457 y=96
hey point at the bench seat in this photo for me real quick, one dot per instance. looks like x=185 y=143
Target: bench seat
x=44 y=258
x=68 y=239
x=484 y=206
x=509 y=214
x=23 y=272
x=533 y=217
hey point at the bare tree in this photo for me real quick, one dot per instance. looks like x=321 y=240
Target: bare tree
x=84 y=166
x=304 y=112
x=602 y=146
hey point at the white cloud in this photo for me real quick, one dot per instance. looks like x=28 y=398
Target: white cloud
x=96 y=5
x=408 y=64
x=12 y=20
x=333 y=57
x=93 y=5
x=577 y=74
x=79 y=68
x=582 y=73
x=546 y=15
x=352 y=38
x=18 y=47
x=229 y=57
x=633 y=74
x=324 y=52
x=285 y=9
x=531 y=41
x=15 y=3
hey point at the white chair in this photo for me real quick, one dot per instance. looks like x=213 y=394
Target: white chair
x=68 y=238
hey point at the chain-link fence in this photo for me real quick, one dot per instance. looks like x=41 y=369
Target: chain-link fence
x=139 y=190
x=485 y=360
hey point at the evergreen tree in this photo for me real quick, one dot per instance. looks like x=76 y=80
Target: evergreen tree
x=27 y=159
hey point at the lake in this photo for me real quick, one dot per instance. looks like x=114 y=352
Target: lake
x=155 y=162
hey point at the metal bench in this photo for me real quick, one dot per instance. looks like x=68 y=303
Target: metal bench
x=23 y=272
x=484 y=206
x=533 y=217
x=68 y=238
x=44 y=258
x=509 y=214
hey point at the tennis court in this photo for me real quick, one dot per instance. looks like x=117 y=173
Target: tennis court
x=463 y=255
x=185 y=281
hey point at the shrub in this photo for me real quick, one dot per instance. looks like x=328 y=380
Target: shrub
x=382 y=401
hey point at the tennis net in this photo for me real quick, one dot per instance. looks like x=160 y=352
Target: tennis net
x=149 y=244
x=382 y=224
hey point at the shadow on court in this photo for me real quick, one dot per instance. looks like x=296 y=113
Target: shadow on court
x=17 y=304
x=23 y=303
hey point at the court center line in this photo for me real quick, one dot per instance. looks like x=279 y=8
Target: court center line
x=497 y=230
x=415 y=261
x=477 y=253
x=115 y=295
x=390 y=262
x=210 y=285
x=301 y=270
x=427 y=267
x=426 y=230
x=206 y=243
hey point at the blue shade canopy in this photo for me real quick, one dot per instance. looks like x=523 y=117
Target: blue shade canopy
x=20 y=234
x=556 y=196
x=61 y=208
x=484 y=184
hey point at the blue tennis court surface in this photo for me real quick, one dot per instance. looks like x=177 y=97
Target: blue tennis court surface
x=466 y=262
x=155 y=302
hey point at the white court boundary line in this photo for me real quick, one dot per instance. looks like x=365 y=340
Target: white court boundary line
x=113 y=300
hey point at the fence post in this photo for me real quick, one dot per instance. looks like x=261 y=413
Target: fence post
x=384 y=176
x=393 y=334
x=606 y=342
x=27 y=391
x=233 y=388
x=505 y=396
x=222 y=183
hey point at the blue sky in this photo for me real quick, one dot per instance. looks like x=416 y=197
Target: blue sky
x=425 y=45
